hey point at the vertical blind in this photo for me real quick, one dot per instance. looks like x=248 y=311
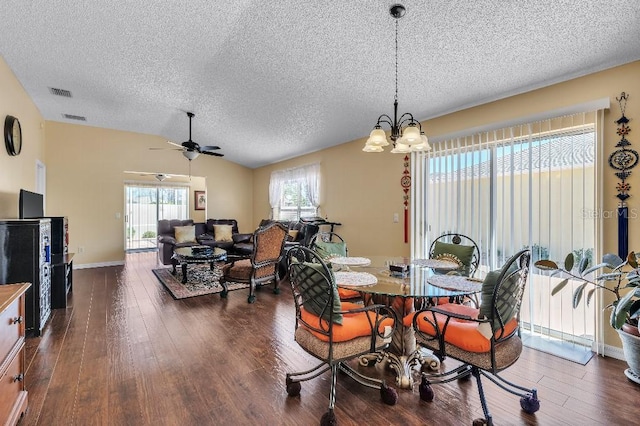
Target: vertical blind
x=527 y=185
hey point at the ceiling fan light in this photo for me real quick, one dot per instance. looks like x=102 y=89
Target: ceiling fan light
x=190 y=155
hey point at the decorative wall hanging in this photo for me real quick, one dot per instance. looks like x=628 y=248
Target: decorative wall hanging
x=623 y=159
x=405 y=181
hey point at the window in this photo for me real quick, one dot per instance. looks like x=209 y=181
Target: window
x=532 y=185
x=294 y=193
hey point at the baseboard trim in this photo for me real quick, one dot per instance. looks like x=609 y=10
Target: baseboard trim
x=611 y=351
x=98 y=265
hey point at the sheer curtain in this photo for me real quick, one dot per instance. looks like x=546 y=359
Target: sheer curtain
x=531 y=184
x=308 y=175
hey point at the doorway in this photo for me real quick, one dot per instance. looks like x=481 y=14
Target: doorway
x=145 y=204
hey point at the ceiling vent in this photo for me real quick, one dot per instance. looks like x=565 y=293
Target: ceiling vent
x=74 y=117
x=60 y=92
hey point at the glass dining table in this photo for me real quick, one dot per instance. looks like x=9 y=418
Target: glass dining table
x=422 y=283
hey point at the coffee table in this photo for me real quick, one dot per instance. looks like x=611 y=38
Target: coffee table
x=196 y=254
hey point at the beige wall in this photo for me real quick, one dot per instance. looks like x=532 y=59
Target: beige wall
x=19 y=171
x=85 y=182
x=363 y=190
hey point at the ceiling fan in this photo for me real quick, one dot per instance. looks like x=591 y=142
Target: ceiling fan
x=190 y=149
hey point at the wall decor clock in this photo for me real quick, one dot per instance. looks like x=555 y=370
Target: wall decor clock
x=12 y=135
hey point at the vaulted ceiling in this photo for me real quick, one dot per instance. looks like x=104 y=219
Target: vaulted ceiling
x=271 y=80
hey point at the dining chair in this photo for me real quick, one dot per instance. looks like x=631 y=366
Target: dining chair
x=486 y=340
x=262 y=266
x=333 y=331
x=327 y=245
x=458 y=248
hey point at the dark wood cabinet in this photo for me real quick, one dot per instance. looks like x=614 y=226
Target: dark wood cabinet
x=25 y=256
x=61 y=279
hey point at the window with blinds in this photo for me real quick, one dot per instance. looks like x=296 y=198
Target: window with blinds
x=530 y=185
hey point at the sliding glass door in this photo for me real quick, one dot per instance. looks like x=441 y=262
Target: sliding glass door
x=531 y=186
x=145 y=204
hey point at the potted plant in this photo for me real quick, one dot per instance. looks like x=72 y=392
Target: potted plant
x=621 y=278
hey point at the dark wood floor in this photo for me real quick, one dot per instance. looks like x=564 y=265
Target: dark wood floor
x=125 y=352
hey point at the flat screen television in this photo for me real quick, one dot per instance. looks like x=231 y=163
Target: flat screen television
x=31 y=205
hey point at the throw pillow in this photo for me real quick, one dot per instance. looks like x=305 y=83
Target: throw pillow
x=185 y=234
x=327 y=250
x=318 y=289
x=462 y=252
x=223 y=233
x=293 y=234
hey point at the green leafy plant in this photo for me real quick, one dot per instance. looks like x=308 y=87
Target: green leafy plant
x=149 y=234
x=619 y=275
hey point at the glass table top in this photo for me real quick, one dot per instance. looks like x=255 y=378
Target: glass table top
x=419 y=282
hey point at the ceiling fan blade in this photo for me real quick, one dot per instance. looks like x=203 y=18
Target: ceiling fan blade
x=166 y=149
x=209 y=148
x=191 y=145
x=215 y=154
x=176 y=144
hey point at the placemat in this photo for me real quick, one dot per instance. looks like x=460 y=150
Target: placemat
x=436 y=264
x=456 y=283
x=351 y=261
x=353 y=279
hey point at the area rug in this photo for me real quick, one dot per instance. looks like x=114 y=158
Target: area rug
x=201 y=280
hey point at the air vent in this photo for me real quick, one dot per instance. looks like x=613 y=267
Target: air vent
x=60 y=92
x=74 y=117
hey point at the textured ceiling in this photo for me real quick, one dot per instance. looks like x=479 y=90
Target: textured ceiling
x=271 y=80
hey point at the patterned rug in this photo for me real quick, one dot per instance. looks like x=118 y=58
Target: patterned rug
x=201 y=280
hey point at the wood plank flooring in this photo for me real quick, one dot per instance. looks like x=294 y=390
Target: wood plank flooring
x=124 y=352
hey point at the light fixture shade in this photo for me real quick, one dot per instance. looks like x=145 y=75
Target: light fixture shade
x=401 y=148
x=191 y=155
x=411 y=135
x=378 y=138
x=372 y=148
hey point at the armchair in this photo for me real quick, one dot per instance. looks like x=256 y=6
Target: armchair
x=262 y=266
x=485 y=340
x=332 y=331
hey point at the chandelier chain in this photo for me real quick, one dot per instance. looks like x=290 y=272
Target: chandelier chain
x=396 y=98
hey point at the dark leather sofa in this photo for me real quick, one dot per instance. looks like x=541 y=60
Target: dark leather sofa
x=239 y=245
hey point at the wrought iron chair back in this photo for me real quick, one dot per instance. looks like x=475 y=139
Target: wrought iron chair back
x=460 y=240
x=332 y=331
x=438 y=329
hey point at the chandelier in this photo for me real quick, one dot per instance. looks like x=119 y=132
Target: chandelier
x=406 y=133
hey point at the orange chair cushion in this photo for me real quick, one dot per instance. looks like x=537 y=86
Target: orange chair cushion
x=461 y=333
x=353 y=325
x=346 y=293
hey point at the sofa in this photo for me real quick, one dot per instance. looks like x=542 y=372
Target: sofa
x=221 y=233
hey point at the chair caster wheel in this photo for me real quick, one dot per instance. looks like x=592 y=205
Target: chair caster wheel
x=224 y=294
x=293 y=388
x=388 y=394
x=529 y=404
x=480 y=422
x=276 y=291
x=426 y=392
x=328 y=419
x=251 y=299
